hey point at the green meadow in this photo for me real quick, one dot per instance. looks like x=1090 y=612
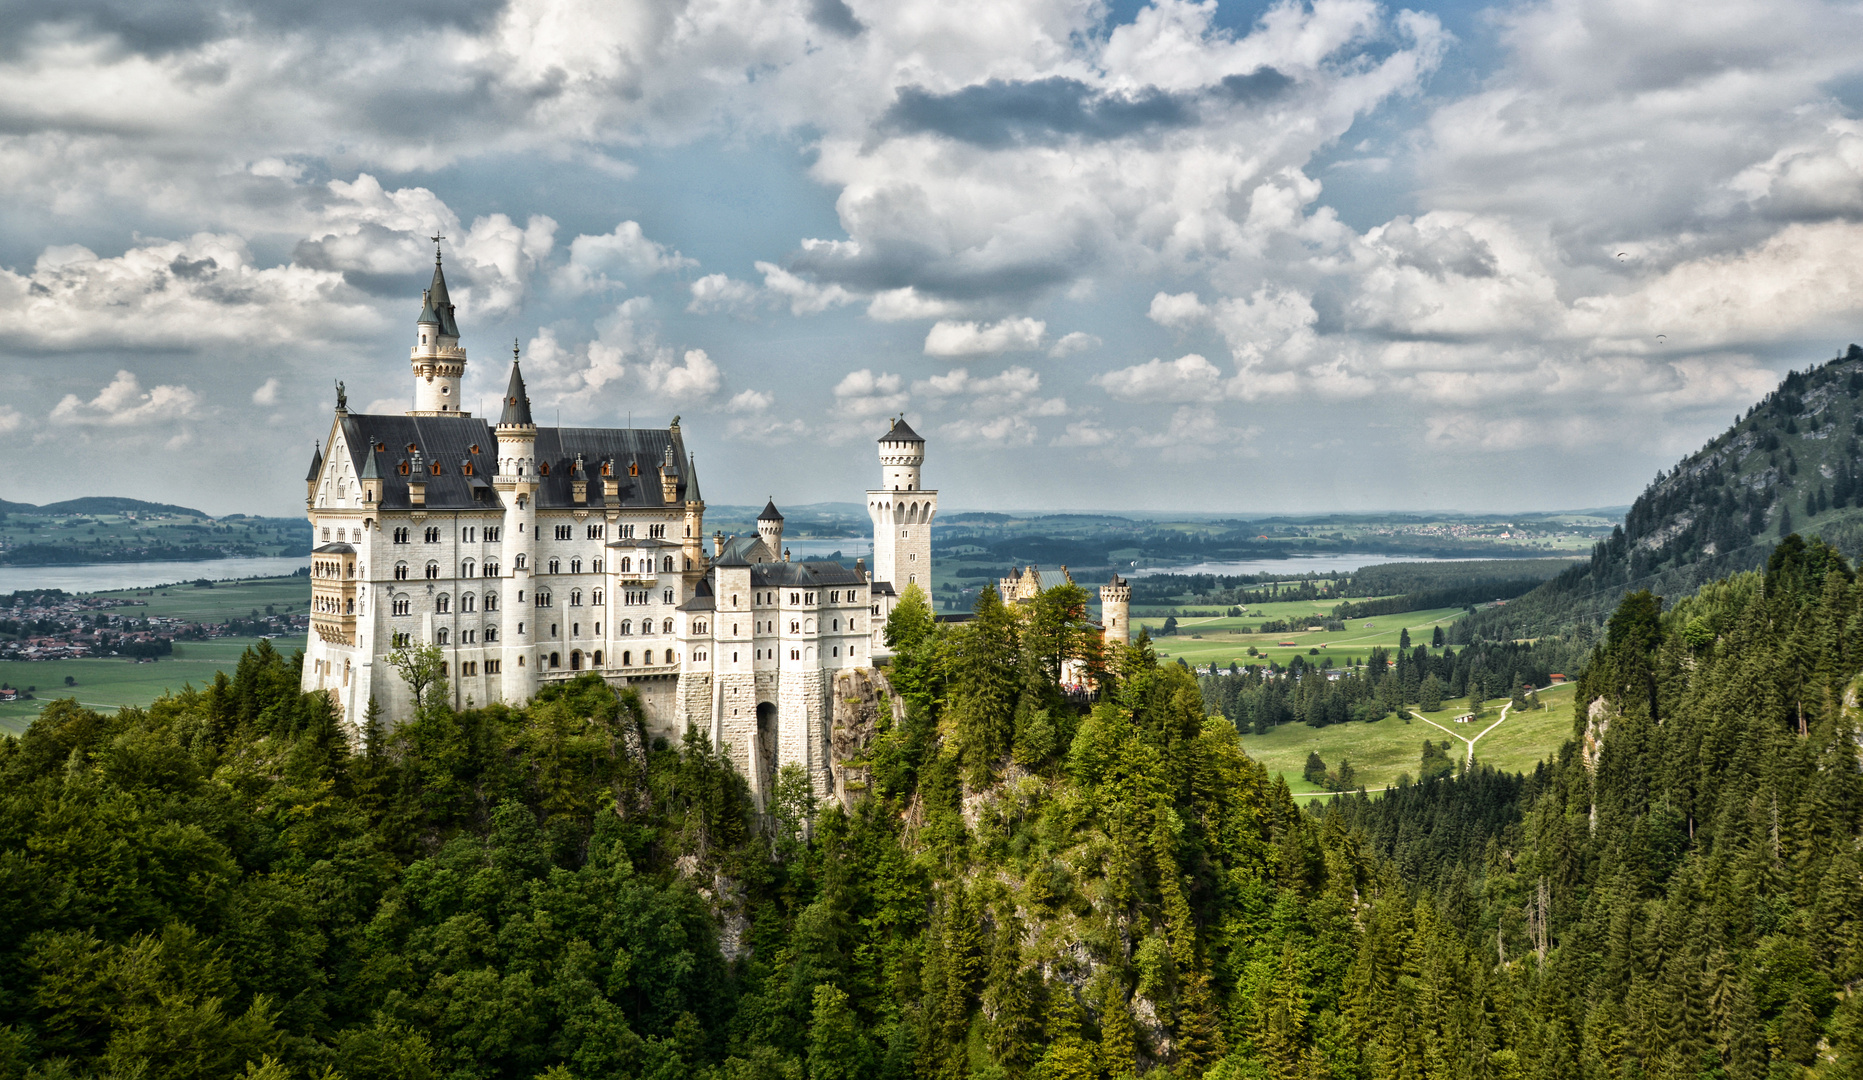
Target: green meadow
x=1199 y=641
x=1382 y=752
x=224 y=600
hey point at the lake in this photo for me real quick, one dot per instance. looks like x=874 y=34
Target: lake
x=141 y=575
x=1344 y=562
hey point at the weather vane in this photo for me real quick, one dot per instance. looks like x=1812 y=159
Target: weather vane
x=436 y=238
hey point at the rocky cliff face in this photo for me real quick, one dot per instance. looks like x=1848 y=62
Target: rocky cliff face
x=861 y=698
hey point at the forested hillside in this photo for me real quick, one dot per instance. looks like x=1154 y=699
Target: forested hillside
x=1790 y=465
x=220 y=885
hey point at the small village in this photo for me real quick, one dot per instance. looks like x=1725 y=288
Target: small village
x=55 y=625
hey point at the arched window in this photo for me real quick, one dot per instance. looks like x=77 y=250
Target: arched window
x=595 y=566
x=443 y=603
x=666 y=565
x=440 y=636
x=402 y=606
x=575 y=566
x=627 y=565
x=491 y=569
x=518 y=561
x=465 y=602
x=553 y=566
x=667 y=628
x=595 y=597
x=466 y=568
x=575 y=598
x=596 y=660
x=433 y=571
x=627 y=659
x=491 y=601
x=401 y=571
x=554 y=661
x=627 y=627
x=575 y=659
x=646 y=627
x=543 y=599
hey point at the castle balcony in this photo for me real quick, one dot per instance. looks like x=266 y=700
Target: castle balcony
x=333 y=594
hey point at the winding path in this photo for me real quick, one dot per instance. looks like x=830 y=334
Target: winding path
x=1470 y=760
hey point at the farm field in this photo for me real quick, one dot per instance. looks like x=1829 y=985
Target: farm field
x=109 y=683
x=225 y=600
x=1390 y=748
x=1226 y=640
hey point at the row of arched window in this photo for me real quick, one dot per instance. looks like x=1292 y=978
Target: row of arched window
x=646 y=627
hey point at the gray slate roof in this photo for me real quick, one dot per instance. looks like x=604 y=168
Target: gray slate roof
x=900 y=432
x=809 y=575
x=449 y=440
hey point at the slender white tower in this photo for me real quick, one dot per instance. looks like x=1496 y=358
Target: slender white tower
x=516 y=483
x=438 y=360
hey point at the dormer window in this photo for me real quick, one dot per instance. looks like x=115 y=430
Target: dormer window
x=633 y=468
x=608 y=468
x=412 y=448
x=403 y=467
x=544 y=468
x=381 y=448
x=466 y=469
x=436 y=467
x=474 y=449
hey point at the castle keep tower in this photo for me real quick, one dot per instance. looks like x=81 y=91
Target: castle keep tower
x=438 y=360
x=902 y=511
x=517 y=482
x=1115 y=605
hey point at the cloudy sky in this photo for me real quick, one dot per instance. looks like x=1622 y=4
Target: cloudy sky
x=1220 y=256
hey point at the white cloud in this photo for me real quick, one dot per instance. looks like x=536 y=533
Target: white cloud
x=903 y=305
x=1078 y=341
x=750 y=401
x=973 y=339
x=717 y=292
x=803 y=297
x=694 y=378
x=1177 y=311
x=1187 y=378
x=124 y=403
x=267 y=393
x=11 y=420
x=862 y=393
x=627 y=250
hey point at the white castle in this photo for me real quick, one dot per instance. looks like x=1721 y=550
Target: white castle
x=531 y=555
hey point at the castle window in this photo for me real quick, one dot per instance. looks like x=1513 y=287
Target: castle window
x=474 y=448
x=633 y=468
x=624 y=532
x=666 y=565
x=402 y=606
x=575 y=566
x=491 y=603
x=491 y=634
x=666 y=627
x=554 y=661
x=493 y=667
x=543 y=599
x=553 y=566
x=627 y=627
x=627 y=565
x=432 y=535
x=596 y=661
x=466 y=568
x=466 y=534
x=666 y=597
x=441 y=636
x=491 y=569
x=397 y=640
x=699 y=628
x=608 y=467
x=544 y=469
x=436 y=468
x=656 y=532
x=403 y=467
x=326 y=536
x=837 y=650
x=519 y=561
x=646 y=627
x=491 y=534
x=595 y=566
x=401 y=536
x=442 y=603
x=575 y=629
x=401 y=571
x=575 y=598
x=596 y=532
x=627 y=659
x=564 y=532
x=433 y=571
x=595 y=597
x=466 y=601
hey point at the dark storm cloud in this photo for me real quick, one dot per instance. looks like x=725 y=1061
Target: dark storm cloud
x=835 y=17
x=158 y=27
x=1002 y=113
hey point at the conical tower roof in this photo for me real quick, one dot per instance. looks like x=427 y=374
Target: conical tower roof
x=770 y=512
x=517 y=403
x=900 y=432
x=436 y=304
x=316 y=468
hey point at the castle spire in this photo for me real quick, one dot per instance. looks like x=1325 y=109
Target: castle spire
x=517 y=403
x=439 y=362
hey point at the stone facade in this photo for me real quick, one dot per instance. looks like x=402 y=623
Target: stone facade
x=531 y=555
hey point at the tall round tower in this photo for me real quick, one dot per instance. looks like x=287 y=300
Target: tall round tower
x=902 y=452
x=438 y=360
x=1115 y=609
x=516 y=483
x=770 y=529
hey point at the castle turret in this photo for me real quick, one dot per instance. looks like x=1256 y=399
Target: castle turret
x=516 y=483
x=315 y=474
x=695 y=525
x=1115 y=610
x=438 y=360
x=770 y=528
x=902 y=511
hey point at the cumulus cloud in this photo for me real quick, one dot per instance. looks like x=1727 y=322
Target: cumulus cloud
x=749 y=401
x=974 y=339
x=267 y=393
x=1187 y=378
x=124 y=403
x=863 y=393
x=1177 y=311
x=718 y=292
x=626 y=251
x=1069 y=344
x=11 y=420
x=627 y=353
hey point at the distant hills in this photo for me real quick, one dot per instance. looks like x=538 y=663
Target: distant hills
x=98 y=504
x=1790 y=465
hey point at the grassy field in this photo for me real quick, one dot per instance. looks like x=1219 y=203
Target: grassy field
x=1383 y=751
x=113 y=682
x=93 y=533
x=225 y=600
x=1226 y=640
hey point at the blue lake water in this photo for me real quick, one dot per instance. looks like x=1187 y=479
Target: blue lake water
x=1343 y=562
x=141 y=575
